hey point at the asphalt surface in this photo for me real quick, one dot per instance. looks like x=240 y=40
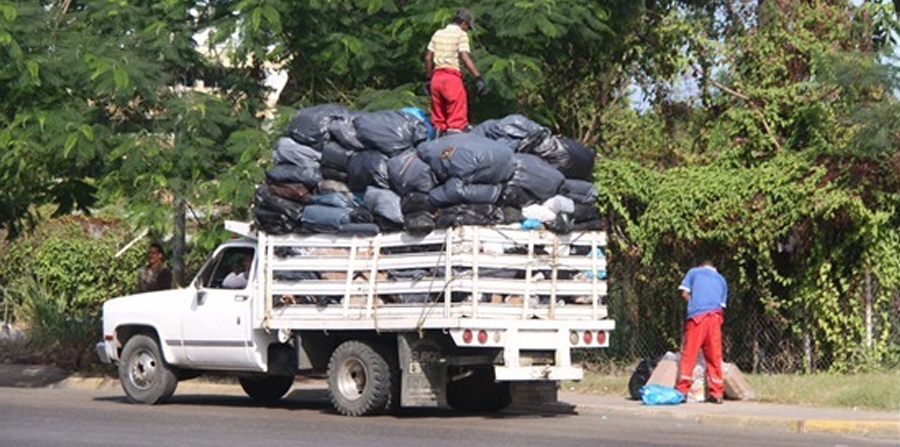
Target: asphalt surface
x=775 y=417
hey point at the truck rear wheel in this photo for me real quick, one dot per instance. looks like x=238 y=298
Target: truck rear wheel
x=266 y=388
x=478 y=392
x=145 y=376
x=360 y=379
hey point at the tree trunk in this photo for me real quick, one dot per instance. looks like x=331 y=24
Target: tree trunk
x=178 y=243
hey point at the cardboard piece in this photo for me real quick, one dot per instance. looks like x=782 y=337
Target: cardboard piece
x=665 y=373
x=736 y=386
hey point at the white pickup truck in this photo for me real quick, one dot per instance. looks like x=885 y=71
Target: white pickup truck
x=448 y=319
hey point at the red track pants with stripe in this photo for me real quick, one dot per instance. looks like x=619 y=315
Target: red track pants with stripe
x=449 y=104
x=702 y=332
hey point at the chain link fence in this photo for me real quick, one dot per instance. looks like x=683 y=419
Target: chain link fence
x=754 y=340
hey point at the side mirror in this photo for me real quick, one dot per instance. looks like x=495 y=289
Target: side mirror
x=201 y=297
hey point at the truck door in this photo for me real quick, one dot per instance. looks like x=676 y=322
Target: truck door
x=216 y=332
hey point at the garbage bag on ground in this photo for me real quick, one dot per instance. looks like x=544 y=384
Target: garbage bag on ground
x=655 y=394
x=639 y=377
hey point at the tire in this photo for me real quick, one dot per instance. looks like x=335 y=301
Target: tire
x=266 y=388
x=144 y=374
x=361 y=381
x=479 y=392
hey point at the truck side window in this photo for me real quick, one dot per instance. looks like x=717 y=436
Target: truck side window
x=227 y=261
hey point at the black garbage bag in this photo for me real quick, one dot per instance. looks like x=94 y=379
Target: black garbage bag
x=324 y=219
x=337 y=199
x=580 y=162
x=273 y=221
x=309 y=125
x=536 y=176
x=334 y=174
x=546 y=146
x=309 y=175
x=469 y=157
x=513 y=127
x=298 y=192
x=514 y=196
x=479 y=214
x=288 y=151
x=455 y=192
x=408 y=173
x=562 y=224
x=415 y=202
x=383 y=203
x=580 y=191
x=335 y=156
x=390 y=131
x=263 y=197
x=367 y=168
x=640 y=376
x=584 y=213
x=343 y=131
x=512 y=214
x=419 y=223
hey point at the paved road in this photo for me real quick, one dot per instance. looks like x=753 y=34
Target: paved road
x=221 y=415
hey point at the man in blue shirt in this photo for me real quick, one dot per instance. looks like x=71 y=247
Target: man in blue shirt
x=706 y=292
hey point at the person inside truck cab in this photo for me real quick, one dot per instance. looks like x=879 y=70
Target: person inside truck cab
x=239 y=276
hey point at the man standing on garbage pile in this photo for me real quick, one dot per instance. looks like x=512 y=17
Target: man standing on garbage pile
x=706 y=292
x=449 y=46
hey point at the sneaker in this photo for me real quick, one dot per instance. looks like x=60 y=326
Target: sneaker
x=716 y=400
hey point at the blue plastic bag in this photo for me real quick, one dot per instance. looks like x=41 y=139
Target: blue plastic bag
x=654 y=394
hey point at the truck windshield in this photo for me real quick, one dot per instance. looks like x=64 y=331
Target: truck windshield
x=230 y=269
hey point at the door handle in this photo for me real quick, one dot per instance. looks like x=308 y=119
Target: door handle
x=241 y=297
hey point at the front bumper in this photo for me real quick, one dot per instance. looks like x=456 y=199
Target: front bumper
x=102 y=352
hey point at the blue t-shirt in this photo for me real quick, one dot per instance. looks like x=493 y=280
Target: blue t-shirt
x=708 y=289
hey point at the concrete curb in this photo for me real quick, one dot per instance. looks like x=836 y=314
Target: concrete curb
x=871 y=429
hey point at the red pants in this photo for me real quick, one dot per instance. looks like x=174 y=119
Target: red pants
x=449 y=105
x=702 y=332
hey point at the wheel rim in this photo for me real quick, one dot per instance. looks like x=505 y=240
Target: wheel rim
x=352 y=379
x=142 y=370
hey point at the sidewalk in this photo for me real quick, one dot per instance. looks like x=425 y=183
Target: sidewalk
x=775 y=417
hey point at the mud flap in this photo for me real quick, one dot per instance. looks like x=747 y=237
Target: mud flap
x=424 y=372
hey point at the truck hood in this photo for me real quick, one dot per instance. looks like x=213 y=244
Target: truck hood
x=145 y=308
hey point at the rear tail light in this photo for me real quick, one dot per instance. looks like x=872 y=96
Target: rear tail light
x=601 y=338
x=588 y=337
x=482 y=337
x=467 y=336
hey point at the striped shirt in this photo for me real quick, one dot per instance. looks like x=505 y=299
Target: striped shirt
x=446 y=44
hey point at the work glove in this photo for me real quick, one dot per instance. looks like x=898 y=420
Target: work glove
x=481 y=86
x=427 y=88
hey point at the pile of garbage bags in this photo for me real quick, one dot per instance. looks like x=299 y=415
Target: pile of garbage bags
x=338 y=170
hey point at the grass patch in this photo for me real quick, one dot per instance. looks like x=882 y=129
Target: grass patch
x=872 y=391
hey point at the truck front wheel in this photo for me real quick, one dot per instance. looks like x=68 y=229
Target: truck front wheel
x=266 y=388
x=145 y=376
x=360 y=379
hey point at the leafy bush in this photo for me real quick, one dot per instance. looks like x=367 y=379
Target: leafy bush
x=57 y=279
